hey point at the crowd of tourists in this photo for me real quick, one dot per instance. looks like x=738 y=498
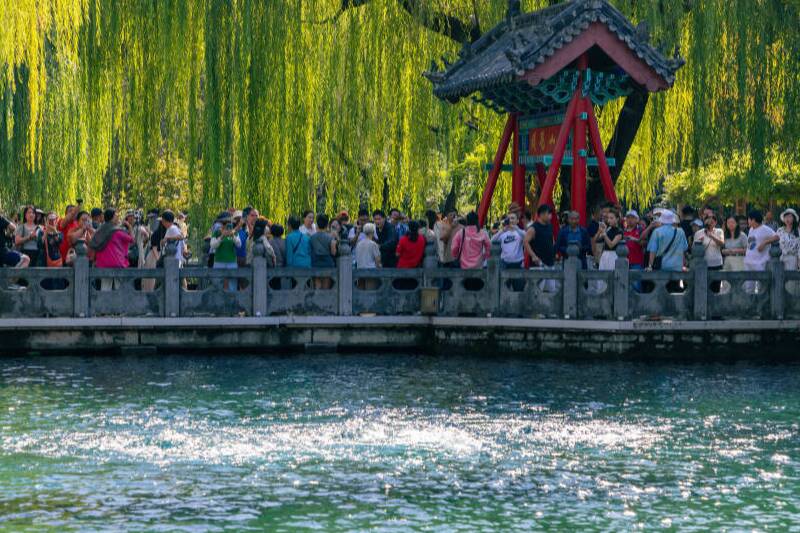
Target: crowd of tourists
x=659 y=239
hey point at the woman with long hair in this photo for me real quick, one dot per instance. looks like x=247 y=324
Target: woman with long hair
x=411 y=248
x=735 y=245
x=28 y=235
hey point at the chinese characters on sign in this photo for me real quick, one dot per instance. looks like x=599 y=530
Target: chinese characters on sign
x=542 y=141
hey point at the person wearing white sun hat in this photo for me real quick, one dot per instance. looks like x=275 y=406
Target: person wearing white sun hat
x=668 y=244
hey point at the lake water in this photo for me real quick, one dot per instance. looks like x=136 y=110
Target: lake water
x=396 y=443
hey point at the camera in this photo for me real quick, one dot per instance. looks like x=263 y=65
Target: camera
x=506 y=222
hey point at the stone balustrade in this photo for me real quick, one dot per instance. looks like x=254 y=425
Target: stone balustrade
x=567 y=292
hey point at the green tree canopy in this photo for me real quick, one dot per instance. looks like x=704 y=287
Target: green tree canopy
x=287 y=102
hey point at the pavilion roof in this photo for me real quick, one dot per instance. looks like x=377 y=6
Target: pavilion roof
x=522 y=42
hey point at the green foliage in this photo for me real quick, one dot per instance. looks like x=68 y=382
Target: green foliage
x=282 y=102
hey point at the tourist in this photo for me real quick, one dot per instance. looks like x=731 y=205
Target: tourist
x=790 y=246
x=444 y=230
x=769 y=220
x=471 y=246
x=667 y=248
x=96 y=214
x=9 y=257
x=324 y=245
x=335 y=228
x=411 y=248
x=570 y=233
x=635 y=239
x=141 y=235
x=356 y=232
x=173 y=233
x=511 y=238
x=609 y=235
x=65 y=225
x=27 y=237
x=687 y=219
x=298 y=251
x=759 y=239
x=431 y=219
x=343 y=220
x=224 y=242
x=110 y=246
x=368 y=256
x=396 y=218
x=539 y=247
x=308 y=227
x=83 y=231
x=744 y=227
x=734 y=247
x=713 y=240
x=260 y=234
x=278 y=244
x=51 y=242
x=239 y=219
x=387 y=239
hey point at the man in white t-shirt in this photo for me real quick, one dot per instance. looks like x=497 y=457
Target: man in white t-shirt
x=174 y=233
x=759 y=239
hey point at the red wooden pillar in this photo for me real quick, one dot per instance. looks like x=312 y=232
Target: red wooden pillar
x=597 y=146
x=518 y=172
x=578 y=185
x=546 y=197
x=578 y=190
x=488 y=191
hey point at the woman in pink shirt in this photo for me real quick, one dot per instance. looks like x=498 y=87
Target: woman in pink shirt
x=471 y=246
x=110 y=243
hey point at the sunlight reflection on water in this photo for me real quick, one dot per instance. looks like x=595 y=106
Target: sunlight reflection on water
x=351 y=443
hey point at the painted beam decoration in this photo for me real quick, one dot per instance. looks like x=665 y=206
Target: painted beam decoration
x=548 y=69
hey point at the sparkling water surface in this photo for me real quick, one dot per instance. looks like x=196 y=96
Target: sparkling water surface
x=396 y=442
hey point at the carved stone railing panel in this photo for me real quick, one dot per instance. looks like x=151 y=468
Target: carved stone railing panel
x=126 y=292
x=36 y=292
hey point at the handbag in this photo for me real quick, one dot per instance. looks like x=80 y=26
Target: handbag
x=658 y=261
x=51 y=263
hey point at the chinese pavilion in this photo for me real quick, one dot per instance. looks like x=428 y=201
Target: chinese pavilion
x=547 y=70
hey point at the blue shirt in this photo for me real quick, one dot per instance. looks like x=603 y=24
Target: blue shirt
x=672 y=258
x=298 y=250
x=241 y=250
x=566 y=235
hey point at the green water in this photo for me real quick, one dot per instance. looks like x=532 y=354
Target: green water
x=396 y=443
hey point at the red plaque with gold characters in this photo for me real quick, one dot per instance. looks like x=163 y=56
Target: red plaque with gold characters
x=542 y=141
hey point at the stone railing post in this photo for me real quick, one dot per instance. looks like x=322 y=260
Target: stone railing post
x=493 y=280
x=777 y=298
x=345 y=263
x=622 y=282
x=572 y=264
x=700 y=275
x=259 y=280
x=172 y=280
x=430 y=262
x=80 y=270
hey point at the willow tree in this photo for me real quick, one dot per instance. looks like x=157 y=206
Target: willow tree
x=202 y=104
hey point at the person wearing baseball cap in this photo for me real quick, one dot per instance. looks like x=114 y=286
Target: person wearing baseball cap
x=632 y=236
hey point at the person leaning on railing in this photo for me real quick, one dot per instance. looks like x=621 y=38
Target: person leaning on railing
x=471 y=245
x=298 y=251
x=9 y=257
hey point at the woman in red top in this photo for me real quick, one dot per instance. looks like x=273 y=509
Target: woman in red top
x=411 y=248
